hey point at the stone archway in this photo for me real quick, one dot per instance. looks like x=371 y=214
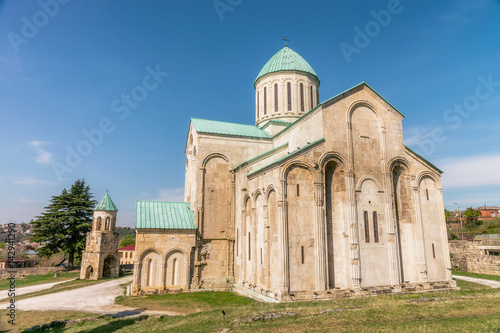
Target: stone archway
x=89 y=272
x=109 y=264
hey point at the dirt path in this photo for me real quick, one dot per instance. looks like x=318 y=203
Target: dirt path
x=99 y=298
x=32 y=289
x=489 y=283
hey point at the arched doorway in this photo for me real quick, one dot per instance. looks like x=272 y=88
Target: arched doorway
x=89 y=272
x=109 y=265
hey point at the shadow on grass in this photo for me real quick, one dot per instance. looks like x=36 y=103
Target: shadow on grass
x=113 y=326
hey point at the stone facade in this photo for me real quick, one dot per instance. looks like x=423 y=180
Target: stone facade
x=327 y=202
x=478 y=256
x=100 y=258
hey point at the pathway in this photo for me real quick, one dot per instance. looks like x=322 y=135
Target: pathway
x=489 y=283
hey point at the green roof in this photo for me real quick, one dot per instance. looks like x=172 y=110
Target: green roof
x=163 y=215
x=224 y=128
x=106 y=204
x=286 y=60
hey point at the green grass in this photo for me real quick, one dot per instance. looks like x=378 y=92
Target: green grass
x=38 y=279
x=466 y=285
x=471 y=309
x=479 y=276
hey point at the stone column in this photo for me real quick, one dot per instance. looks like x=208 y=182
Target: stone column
x=355 y=263
x=266 y=247
x=283 y=240
x=419 y=230
x=320 y=234
x=254 y=248
x=163 y=275
x=444 y=234
x=392 y=238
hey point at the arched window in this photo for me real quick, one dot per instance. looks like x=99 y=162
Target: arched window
x=289 y=95
x=367 y=228
x=275 y=97
x=258 y=103
x=375 y=227
x=265 y=100
x=107 y=223
x=301 y=97
x=99 y=223
x=311 y=96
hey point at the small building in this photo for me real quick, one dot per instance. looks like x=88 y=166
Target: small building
x=127 y=255
x=100 y=258
x=16 y=263
x=488 y=212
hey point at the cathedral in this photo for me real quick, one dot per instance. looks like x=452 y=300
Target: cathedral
x=314 y=201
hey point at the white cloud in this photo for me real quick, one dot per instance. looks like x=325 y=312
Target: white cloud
x=29 y=181
x=471 y=171
x=42 y=156
x=171 y=195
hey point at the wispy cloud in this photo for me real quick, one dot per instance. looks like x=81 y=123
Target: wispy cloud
x=26 y=201
x=471 y=171
x=42 y=156
x=30 y=180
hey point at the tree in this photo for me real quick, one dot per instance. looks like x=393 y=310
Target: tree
x=127 y=240
x=471 y=216
x=64 y=224
x=447 y=215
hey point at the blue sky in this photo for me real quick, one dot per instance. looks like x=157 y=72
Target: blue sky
x=67 y=67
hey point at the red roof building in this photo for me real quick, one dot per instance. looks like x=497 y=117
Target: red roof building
x=127 y=255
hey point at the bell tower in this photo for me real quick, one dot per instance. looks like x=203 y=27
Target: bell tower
x=100 y=258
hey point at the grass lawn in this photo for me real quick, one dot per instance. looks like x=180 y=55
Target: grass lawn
x=479 y=276
x=475 y=308
x=39 y=279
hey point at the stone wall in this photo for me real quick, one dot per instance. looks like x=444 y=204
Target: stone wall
x=4 y=273
x=470 y=256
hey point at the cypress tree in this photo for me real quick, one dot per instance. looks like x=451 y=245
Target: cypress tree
x=64 y=225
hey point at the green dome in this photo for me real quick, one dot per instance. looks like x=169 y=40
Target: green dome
x=106 y=204
x=286 y=60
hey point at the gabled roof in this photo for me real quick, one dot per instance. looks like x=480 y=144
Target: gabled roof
x=286 y=59
x=163 y=215
x=230 y=129
x=424 y=160
x=127 y=248
x=106 y=204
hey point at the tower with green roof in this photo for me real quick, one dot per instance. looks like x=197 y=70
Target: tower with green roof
x=100 y=258
x=285 y=89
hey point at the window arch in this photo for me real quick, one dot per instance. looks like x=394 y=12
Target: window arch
x=367 y=227
x=265 y=100
x=301 y=97
x=289 y=95
x=375 y=227
x=107 y=223
x=311 y=96
x=99 y=223
x=275 y=97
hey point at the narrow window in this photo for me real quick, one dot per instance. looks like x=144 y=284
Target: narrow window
x=237 y=240
x=131 y=255
x=99 y=221
x=311 y=93
x=301 y=97
x=121 y=254
x=302 y=253
x=265 y=100
x=298 y=190
x=249 y=247
x=433 y=251
x=275 y=97
x=367 y=228
x=258 y=103
x=107 y=223
x=289 y=95
x=375 y=227
x=427 y=194
x=261 y=256
x=317 y=96
x=126 y=255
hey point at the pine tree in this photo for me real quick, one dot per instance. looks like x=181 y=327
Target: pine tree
x=64 y=224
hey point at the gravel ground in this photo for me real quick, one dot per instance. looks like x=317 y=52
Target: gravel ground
x=489 y=283
x=99 y=298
